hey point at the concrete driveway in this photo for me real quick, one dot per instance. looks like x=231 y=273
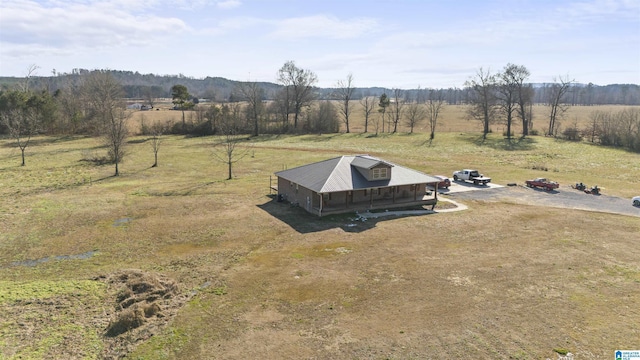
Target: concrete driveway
x=457 y=187
x=564 y=197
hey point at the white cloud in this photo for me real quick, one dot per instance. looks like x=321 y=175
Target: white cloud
x=62 y=26
x=228 y=4
x=591 y=10
x=244 y=22
x=323 y=26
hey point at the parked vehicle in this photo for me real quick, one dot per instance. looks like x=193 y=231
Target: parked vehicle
x=579 y=186
x=595 y=190
x=543 y=183
x=444 y=181
x=636 y=201
x=471 y=175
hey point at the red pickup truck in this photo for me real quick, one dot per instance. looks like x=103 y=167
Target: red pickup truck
x=542 y=183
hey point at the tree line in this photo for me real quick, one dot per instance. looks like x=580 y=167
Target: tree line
x=94 y=103
x=505 y=97
x=141 y=86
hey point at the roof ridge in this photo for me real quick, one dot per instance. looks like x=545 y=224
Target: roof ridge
x=333 y=171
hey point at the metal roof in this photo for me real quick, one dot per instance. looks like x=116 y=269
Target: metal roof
x=367 y=162
x=341 y=174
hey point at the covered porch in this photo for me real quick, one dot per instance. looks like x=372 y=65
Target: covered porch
x=372 y=199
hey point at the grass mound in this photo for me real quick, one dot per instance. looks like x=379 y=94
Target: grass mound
x=144 y=302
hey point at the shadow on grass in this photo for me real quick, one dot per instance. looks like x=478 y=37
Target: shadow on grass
x=44 y=140
x=184 y=191
x=319 y=137
x=499 y=143
x=304 y=222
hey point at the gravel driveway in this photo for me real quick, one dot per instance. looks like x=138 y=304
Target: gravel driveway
x=564 y=197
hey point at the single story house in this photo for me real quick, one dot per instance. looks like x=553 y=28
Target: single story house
x=355 y=183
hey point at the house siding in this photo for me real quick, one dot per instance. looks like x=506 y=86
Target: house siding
x=297 y=194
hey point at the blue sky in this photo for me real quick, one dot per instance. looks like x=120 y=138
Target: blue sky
x=392 y=43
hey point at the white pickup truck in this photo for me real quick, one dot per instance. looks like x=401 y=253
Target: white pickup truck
x=471 y=175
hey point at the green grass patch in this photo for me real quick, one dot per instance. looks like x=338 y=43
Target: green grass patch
x=11 y=291
x=561 y=351
x=165 y=346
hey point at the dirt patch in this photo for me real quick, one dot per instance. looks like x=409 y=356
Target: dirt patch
x=144 y=303
x=104 y=317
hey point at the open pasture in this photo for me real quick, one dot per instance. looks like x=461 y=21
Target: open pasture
x=260 y=279
x=453 y=118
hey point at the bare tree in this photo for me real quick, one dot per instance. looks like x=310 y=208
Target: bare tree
x=157 y=130
x=344 y=92
x=414 y=115
x=254 y=95
x=397 y=108
x=282 y=106
x=435 y=103
x=31 y=72
x=18 y=115
x=298 y=84
x=228 y=148
x=71 y=106
x=213 y=116
x=24 y=112
x=104 y=99
x=482 y=99
x=151 y=94
x=557 y=106
x=596 y=118
x=521 y=94
x=368 y=104
x=323 y=118
x=507 y=91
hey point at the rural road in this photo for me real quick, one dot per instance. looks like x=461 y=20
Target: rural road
x=565 y=197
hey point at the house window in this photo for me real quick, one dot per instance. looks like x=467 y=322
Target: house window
x=413 y=187
x=379 y=191
x=379 y=173
x=365 y=192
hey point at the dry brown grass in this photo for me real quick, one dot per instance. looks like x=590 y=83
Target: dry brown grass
x=453 y=118
x=269 y=281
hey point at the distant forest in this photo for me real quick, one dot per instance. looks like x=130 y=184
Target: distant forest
x=219 y=89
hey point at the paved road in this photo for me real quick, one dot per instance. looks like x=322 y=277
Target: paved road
x=564 y=197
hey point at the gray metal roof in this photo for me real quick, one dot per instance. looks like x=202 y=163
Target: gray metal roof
x=341 y=174
x=367 y=162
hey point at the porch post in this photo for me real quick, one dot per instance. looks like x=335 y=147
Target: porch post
x=321 y=201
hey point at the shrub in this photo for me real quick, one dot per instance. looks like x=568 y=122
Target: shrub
x=572 y=134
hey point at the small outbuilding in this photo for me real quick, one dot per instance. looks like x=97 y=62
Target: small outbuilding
x=355 y=183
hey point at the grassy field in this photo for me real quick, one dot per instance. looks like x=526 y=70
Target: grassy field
x=452 y=119
x=259 y=279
